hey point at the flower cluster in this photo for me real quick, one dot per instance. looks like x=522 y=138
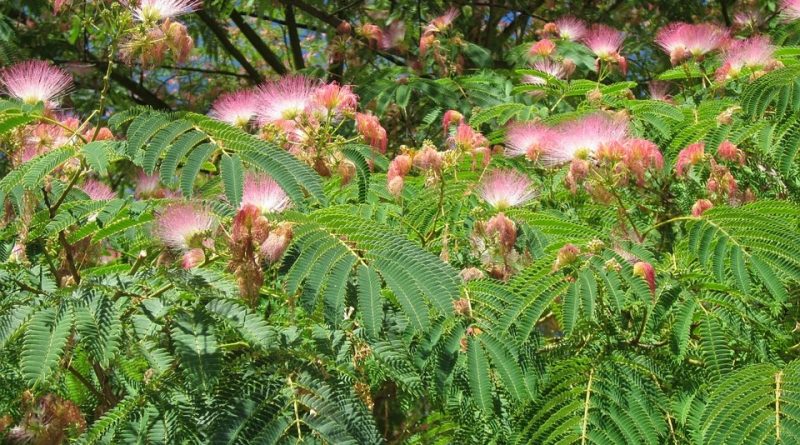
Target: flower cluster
x=720 y=184
x=682 y=41
x=157 y=33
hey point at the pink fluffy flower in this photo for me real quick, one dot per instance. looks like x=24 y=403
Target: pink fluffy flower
x=502 y=189
x=236 y=108
x=646 y=271
x=659 y=90
x=571 y=28
x=181 y=226
x=700 y=207
x=639 y=156
x=604 y=41
x=264 y=193
x=285 y=99
x=542 y=48
x=755 y=52
x=790 y=10
x=193 y=258
x=370 y=128
x=442 y=22
x=35 y=81
x=97 y=191
x=529 y=139
x=147 y=186
x=450 y=117
x=155 y=10
x=336 y=99
x=583 y=137
x=683 y=40
x=467 y=139
x=548 y=66
x=729 y=152
x=691 y=155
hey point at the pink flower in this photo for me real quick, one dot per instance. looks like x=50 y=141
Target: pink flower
x=147 y=186
x=467 y=139
x=370 y=128
x=97 y=191
x=691 y=155
x=443 y=21
x=278 y=240
x=729 y=152
x=700 y=207
x=659 y=90
x=529 y=139
x=571 y=28
x=583 y=137
x=181 y=226
x=193 y=258
x=285 y=99
x=428 y=159
x=155 y=10
x=647 y=272
x=35 y=81
x=504 y=229
x=451 y=116
x=639 y=156
x=336 y=99
x=399 y=167
x=682 y=40
x=542 y=48
x=548 y=66
x=755 y=52
x=790 y=10
x=604 y=41
x=264 y=193
x=748 y=19
x=502 y=189
x=373 y=34
x=236 y=108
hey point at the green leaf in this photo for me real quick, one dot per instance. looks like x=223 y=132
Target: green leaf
x=44 y=343
x=370 y=302
x=478 y=373
x=232 y=177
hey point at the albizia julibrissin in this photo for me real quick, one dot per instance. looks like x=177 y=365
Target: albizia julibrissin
x=34 y=81
x=502 y=189
x=155 y=10
x=180 y=226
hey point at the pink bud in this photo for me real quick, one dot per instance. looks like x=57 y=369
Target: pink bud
x=729 y=152
x=647 y=272
x=542 y=48
x=395 y=185
x=193 y=258
x=566 y=256
x=700 y=207
x=400 y=166
x=276 y=243
x=505 y=230
x=428 y=159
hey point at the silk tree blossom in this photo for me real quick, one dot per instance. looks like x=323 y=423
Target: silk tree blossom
x=700 y=207
x=755 y=52
x=580 y=139
x=182 y=226
x=606 y=42
x=502 y=189
x=154 y=10
x=682 y=41
x=659 y=90
x=790 y=10
x=691 y=155
x=264 y=193
x=35 y=81
x=335 y=99
x=285 y=99
x=236 y=108
x=467 y=139
x=442 y=22
x=370 y=128
x=571 y=28
x=450 y=117
x=97 y=191
x=529 y=139
x=548 y=66
x=542 y=48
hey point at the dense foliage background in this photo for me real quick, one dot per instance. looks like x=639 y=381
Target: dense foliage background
x=399 y=222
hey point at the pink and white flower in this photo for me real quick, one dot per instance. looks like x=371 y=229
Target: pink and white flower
x=285 y=99
x=236 y=108
x=571 y=28
x=264 y=193
x=529 y=139
x=35 y=81
x=336 y=99
x=97 y=191
x=754 y=52
x=683 y=40
x=502 y=189
x=659 y=90
x=182 y=226
x=154 y=10
x=604 y=41
x=691 y=155
x=580 y=139
x=790 y=10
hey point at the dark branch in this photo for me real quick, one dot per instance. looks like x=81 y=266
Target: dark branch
x=263 y=50
x=294 y=38
x=222 y=36
x=279 y=21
